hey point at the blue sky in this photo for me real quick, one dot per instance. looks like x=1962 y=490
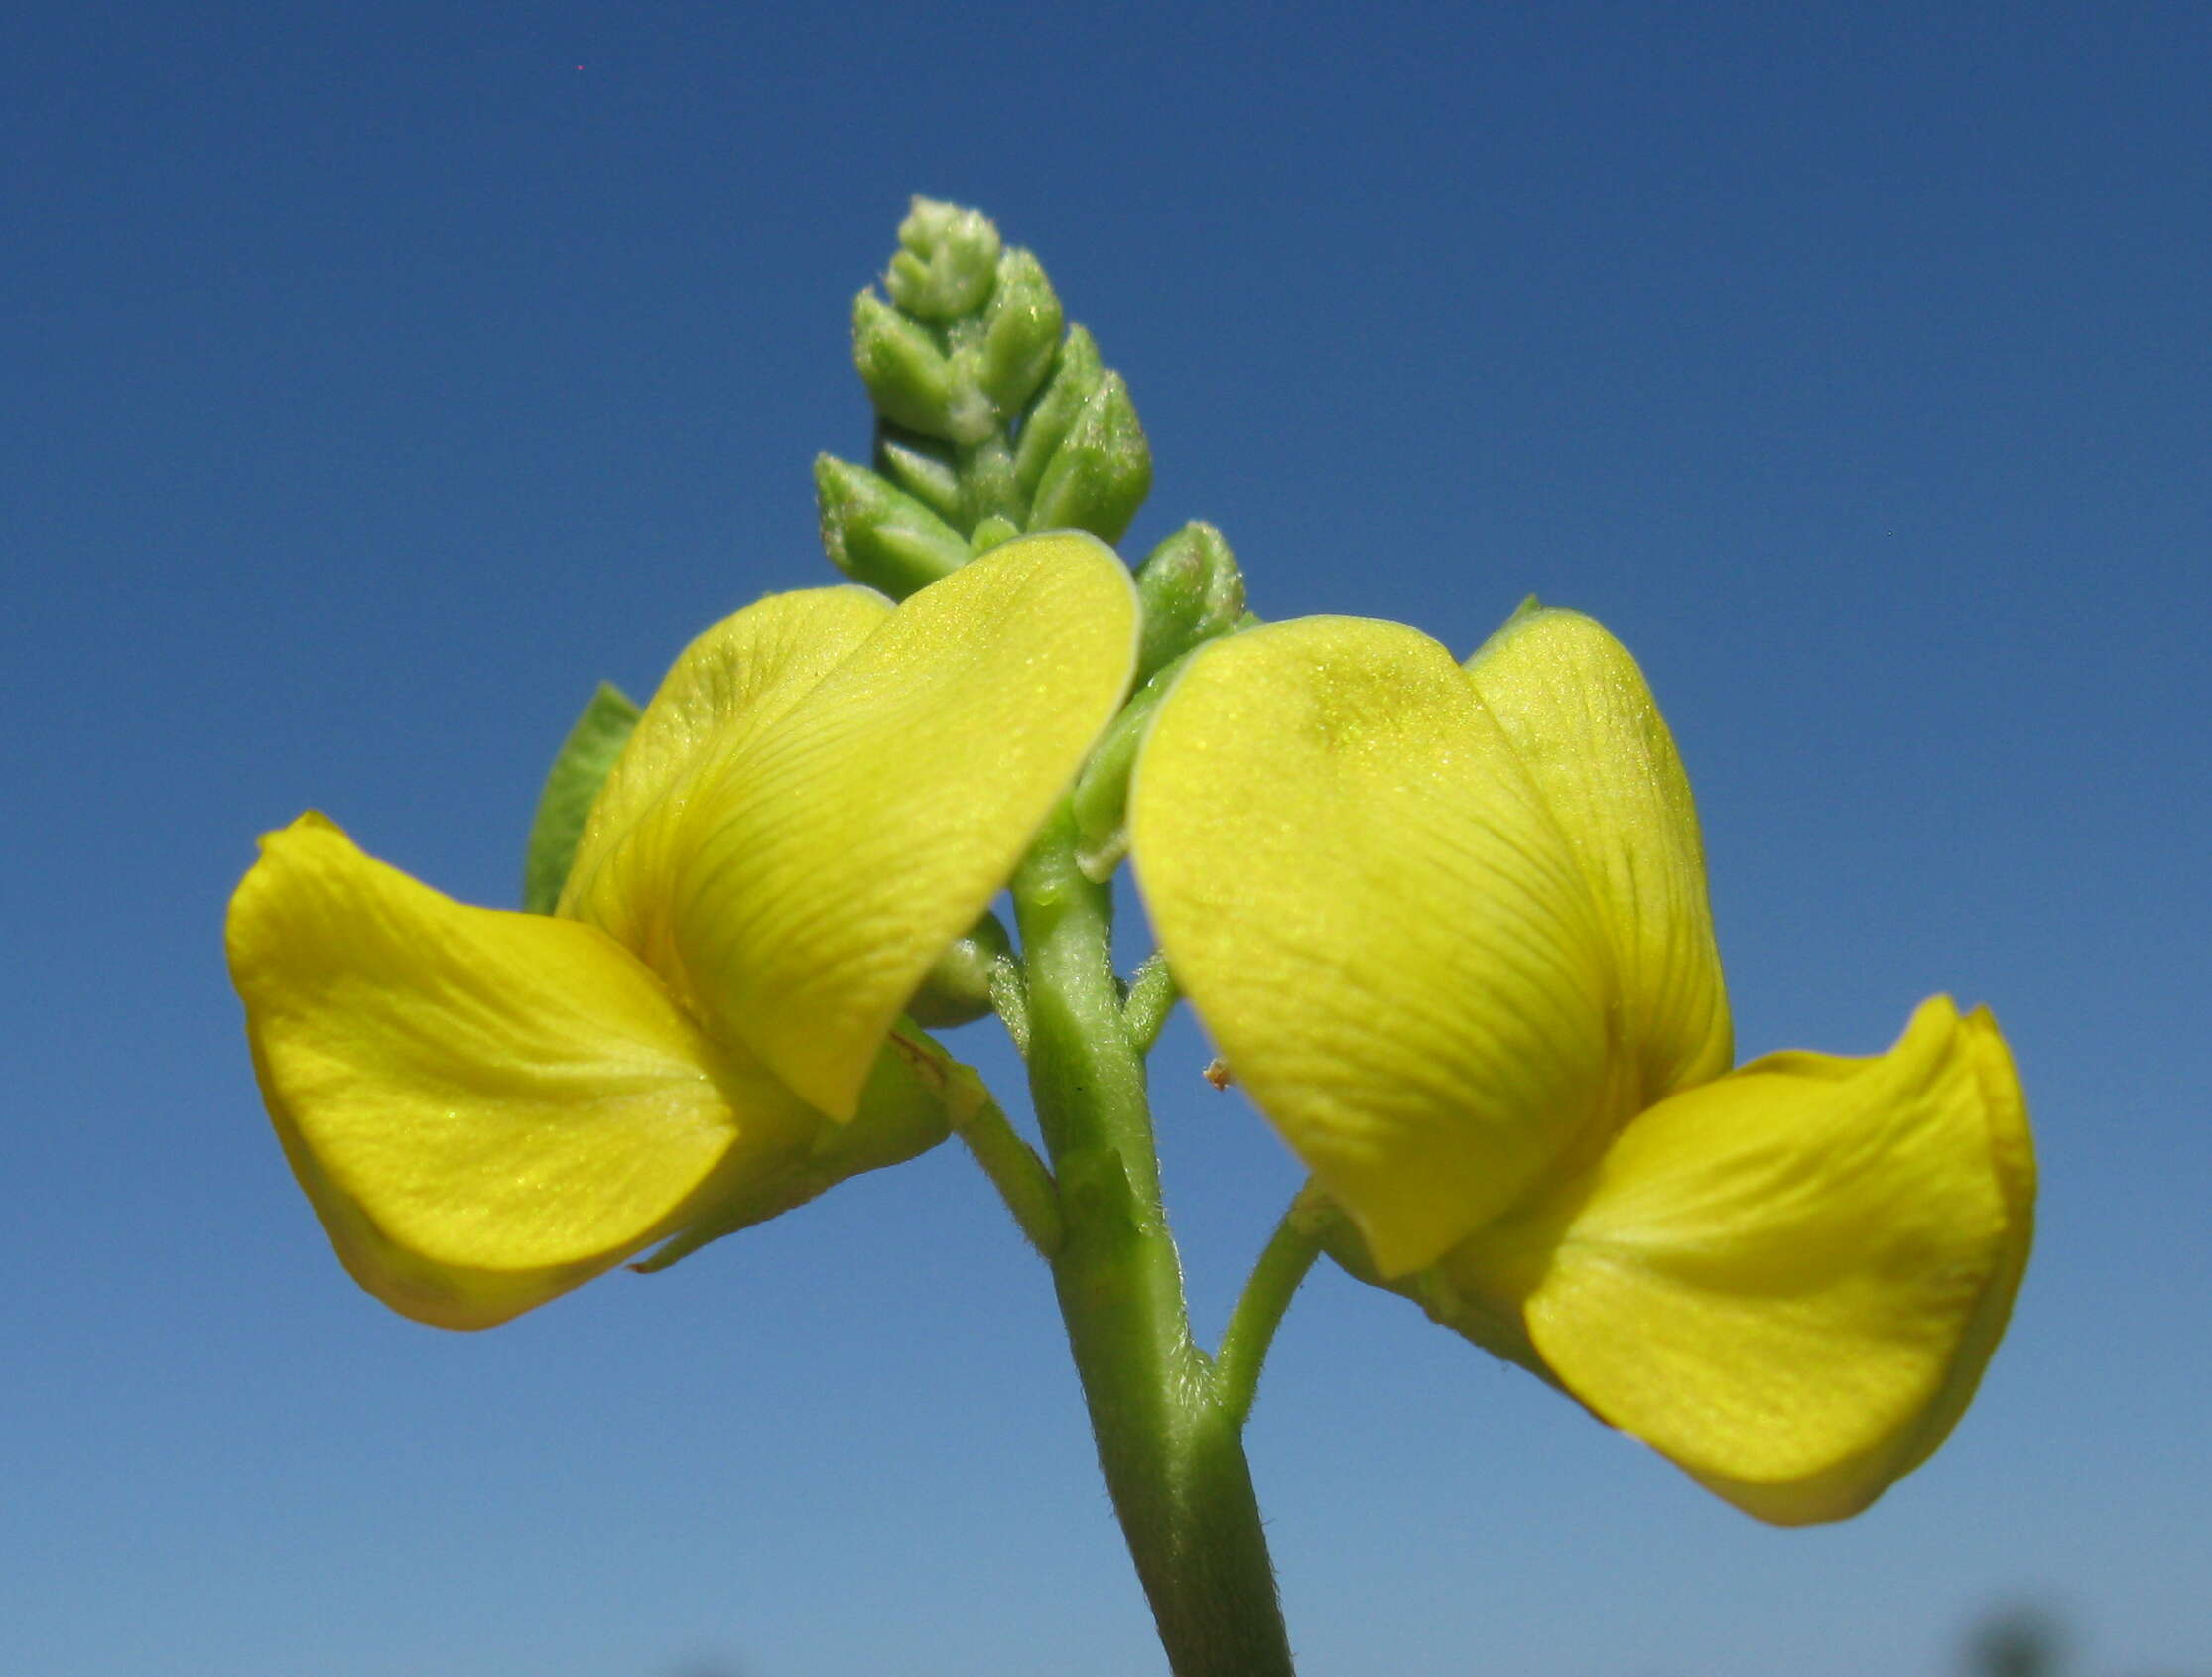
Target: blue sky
x=382 y=378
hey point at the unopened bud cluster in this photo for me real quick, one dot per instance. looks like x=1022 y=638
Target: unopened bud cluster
x=991 y=421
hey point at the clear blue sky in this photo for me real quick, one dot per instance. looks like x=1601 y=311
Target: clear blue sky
x=380 y=378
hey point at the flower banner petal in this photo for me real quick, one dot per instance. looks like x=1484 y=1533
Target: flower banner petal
x=1789 y=1280
x=841 y=852
x=486 y=1107
x=1580 y=714
x=729 y=687
x=1361 y=890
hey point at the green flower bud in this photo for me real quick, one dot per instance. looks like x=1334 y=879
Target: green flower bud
x=994 y=531
x=957 y=987
x=910 y=379
x=1076 y=374
x=947 y=259
x=1192 y=590
x=1022 y=332
x=1099 y=799
x=922 y=466
x=1101 y=470
x=876 y=535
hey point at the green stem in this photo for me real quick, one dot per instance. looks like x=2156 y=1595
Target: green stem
x=1017 y=1173
x=1283 y=1262
x=1173 y=1462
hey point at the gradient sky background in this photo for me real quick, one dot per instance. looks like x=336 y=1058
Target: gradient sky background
x=381 y=377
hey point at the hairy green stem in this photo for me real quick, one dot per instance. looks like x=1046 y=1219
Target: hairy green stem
x=1173 y=1461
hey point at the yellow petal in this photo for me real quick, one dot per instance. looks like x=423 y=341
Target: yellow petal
x=1581 y=716
x=1358 y=886
x=1789 y=1280
x=486 y=1108
x=729 y=687
x=844 y=848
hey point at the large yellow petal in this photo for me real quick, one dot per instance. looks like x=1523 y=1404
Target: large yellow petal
x=1581 y=716
x=486 y=1108
x=1363 y=895
x=728 y=688
x=842 y=851
x=1789 y=1280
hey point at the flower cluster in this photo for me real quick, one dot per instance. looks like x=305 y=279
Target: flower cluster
x=1447 y=925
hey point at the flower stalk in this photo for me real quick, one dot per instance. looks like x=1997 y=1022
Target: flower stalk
x=1170 y=1449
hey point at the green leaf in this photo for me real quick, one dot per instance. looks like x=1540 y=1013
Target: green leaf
x=580 y=765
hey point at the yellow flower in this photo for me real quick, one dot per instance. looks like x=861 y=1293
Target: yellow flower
x=1448 y=929
x=487 y=1107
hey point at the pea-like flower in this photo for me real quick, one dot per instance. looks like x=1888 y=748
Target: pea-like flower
x=1449 y=928
x=489 y=1107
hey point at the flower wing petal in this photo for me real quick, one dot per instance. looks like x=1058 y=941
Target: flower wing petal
x=1581 y=718
x=845 y=848
x=729 y=687
x=1789 y=1280
x=1358 y=886
x=486 y=1108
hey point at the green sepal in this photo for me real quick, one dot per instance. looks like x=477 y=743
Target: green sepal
x=1076 y=375
x=914 y=1093
x=1099 y=800
x=1022 y=332
x=947 y=259
x=1191 y=590
x=1101 y=470
x=1499 y=1331
x=579 y=769
x=959 y=987
x=921 y=466
x=878 y=535
x=1528 y=607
